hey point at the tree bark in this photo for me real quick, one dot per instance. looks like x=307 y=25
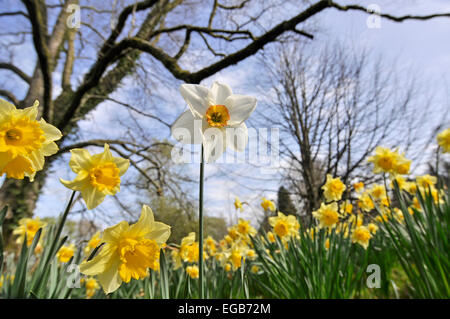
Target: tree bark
x=21 y=197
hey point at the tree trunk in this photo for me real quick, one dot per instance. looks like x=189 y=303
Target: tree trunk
x=21 y=197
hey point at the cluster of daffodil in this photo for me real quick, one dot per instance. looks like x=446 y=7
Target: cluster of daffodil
x=124 y=252
x=128 y=250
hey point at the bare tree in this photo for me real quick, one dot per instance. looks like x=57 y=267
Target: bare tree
x=334 y=107
x=170 y=32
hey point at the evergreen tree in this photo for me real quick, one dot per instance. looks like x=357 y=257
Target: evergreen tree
x=285 y=204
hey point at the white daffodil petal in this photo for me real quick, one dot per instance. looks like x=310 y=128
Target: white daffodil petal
x=184 y=129
x=219 y=93
x=237 y=137
x=196 y=96
x=214 y=143
x=240 y=108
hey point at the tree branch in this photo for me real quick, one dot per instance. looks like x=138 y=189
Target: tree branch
x=9 y=96
x=16 y=70
x=388 y=16
x=40 y=44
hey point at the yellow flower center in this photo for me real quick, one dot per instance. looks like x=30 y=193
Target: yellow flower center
x=281 y=228
x=21 y=136
x=243 y=228
x=32 y=227
x=337 y=187
x=362 y=235
x=13 y=136
x=105 y=176
x=233 y=233
x=217 y=115
x=136 y=255
x=330 y=217
x=386 y=162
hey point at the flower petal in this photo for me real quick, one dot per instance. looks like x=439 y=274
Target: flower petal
x=110 y=279
x=51 y=133
x=106 y=156
x=99 y=263
x=49 y=149
x=113 y=234
x=237 y=137
x=218 y=93
x=92 y=197
x=214 y=143
x=240 y=108
x=144 y=224
x=80 y=182
x=81 y=160
x=30 y=112
x=184 y=129
x=196 y=96
x=6 y=108
x=122 y=164
x=160 y=233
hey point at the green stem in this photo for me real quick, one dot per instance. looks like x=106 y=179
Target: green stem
x=200 y=226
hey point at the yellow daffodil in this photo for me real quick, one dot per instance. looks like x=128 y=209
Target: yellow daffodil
x=327 y=215
x=129 y=251
x=238 y=204
x=284 y=225
x=359 y=187
x=254 y=269
x=92 y=286
x=29 y=227
x=361 y=235
x=378 y=192
x=333 y=188
x=244 y=228
x=384 y=160
x=211 y=245
x=402 y=165
x=39 y=249
x=189 y=251
x=365 y=202
x=97 y=175
x=65 y=253
x=192 y=271
x=398 y=214
x=411 y=187
x=401 y=182
x=426 y=181
x=236 y=258
x=346 y=207
x=24 y=141
x=92 y=244
x=270 y=237
x=219 y=115
x=443 y=140
x=373 y=228
x=267 y=204
x=327 y=244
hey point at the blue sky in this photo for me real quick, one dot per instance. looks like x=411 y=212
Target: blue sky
x=422 y=46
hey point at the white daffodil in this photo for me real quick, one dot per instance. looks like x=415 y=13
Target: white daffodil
x=215 y=118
